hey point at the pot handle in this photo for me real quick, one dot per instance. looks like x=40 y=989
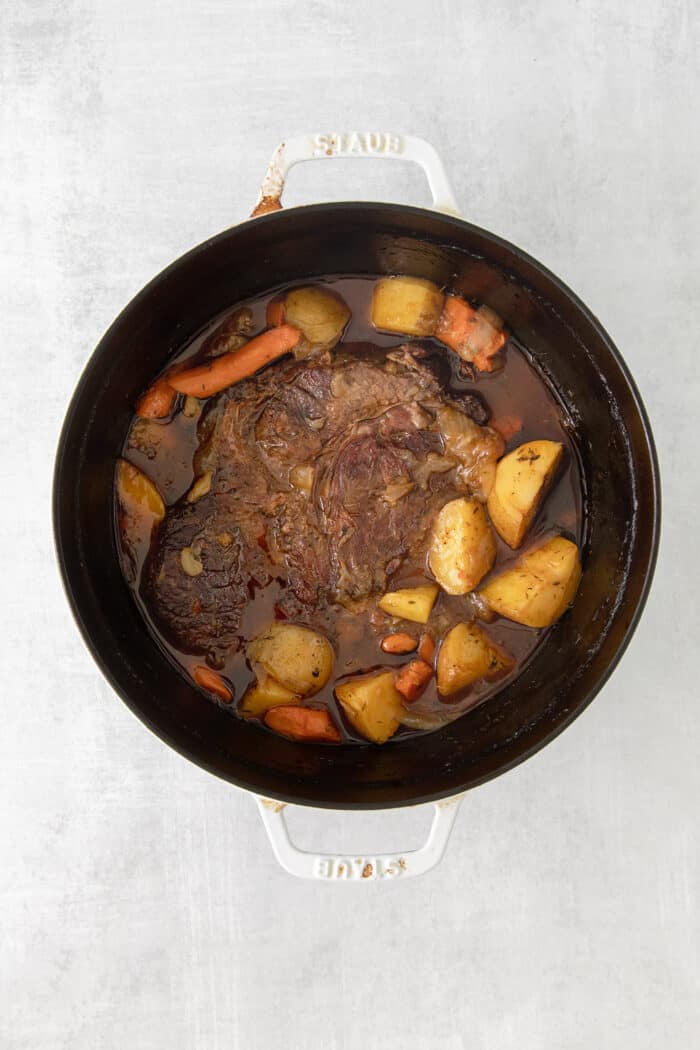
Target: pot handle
x=361 y=144
x=334 y=867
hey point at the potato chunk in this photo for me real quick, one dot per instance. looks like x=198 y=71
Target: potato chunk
x=466 y=655
x=411 y=603
x=137 y=493
x=522 y=478
x=264 y=694
x=372 y=705
x=141 y=508
x=319 y=314
x=297 y=657
x=540 y=587
x=408 y=305
x=462 y=546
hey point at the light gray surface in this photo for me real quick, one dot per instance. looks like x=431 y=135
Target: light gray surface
x=139 y=902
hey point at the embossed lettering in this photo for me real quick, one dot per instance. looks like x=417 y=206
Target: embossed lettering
x=321 y=144
x=354 y=142
x=324 y=867
x=373 y=142
x=360 y=867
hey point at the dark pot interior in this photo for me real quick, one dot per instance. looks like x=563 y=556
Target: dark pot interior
x=618 y=461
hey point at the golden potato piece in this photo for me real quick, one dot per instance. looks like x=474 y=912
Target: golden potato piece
x=319 y=314
x=372 y=705
x=466 y=655
x=264 y=694
x=140 y=509
x=522 y=478
x=411 y=603
x=408 y=305
x=462 y=546
x=540 y=587
x=298 y=658
x=137 y=493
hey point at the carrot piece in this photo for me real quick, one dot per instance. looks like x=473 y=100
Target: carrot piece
x=207 y=379
x=473 y=334
x=487 y=339
x=212 y=682
x=412 y=680
x=399 y=643
x=274 y=314
x=426 y=647
x=507 y=426
x=455 y=323
x=302 y=723
x=157 y=401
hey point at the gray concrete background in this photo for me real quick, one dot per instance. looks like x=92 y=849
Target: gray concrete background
x=139 y=902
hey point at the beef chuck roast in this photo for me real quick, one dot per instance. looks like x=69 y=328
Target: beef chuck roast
x=379 y=449
x=201 y=613
x=370 y=506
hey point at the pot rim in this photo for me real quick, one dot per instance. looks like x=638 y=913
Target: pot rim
x=407 y=796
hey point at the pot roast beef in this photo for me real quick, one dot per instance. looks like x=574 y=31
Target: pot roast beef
x=325 y=474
